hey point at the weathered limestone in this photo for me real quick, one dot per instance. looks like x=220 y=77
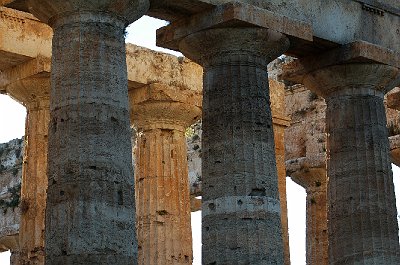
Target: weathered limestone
x=306 y=159
x=306 y=165
x=160 y=115
x=279 y=123
x=393 y=115
x=234 y=42
x=144 y=66
x=241 y=210
x=29 y=83
x=362 y=221
x=90 y=198
x=34 y=183
x=11 y=154
x=315 y=184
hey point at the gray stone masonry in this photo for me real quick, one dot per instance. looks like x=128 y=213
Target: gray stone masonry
x=241 y=210
x=362 y=224
x=90 y=213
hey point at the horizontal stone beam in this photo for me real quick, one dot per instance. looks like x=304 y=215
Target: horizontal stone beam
x=234 y=14
x=23 y=38
x=146 y=66
x=333 y=22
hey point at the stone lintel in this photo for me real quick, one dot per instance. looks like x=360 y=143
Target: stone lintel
x=355 y=52
x=165 y=93
x=146 y=66
x=234 y=14
x=28 y=81
x=172 y=10
x=23 y=38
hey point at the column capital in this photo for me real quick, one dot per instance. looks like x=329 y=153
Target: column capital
x=308 y=172
x=204 y=46
x=126 y=11
x=358 y=67
x=353 y=78
x=164 y=107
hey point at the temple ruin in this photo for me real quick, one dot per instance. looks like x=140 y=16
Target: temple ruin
x=328 y=118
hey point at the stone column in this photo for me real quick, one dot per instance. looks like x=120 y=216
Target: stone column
x=90 y=211
x=29 y=83
x=317 y=226
x=15 y=258
x=280 y=123
x=313 y=180
x=241 y=210
x=34 y=183
x=362 y=212
x=160 y=115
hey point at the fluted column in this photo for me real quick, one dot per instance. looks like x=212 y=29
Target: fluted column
x=34 y=184
x=362 y=222
x=160 y=115
x=316 y=227
x=90 y=211
x=280 y=123
x=241 y=209
x=314 y=181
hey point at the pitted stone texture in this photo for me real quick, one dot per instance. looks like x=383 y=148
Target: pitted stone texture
x=11 y=156
x=317 y=226
x=146 y=66
x=306 y=159
x=160 y=115
x=362 y=213
x=90 y=212
x=50 y=11
x=34 y=184
x=306 y=165
x=238 y=144
x=280 y=121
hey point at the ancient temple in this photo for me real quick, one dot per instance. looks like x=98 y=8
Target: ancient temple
x=95 y=104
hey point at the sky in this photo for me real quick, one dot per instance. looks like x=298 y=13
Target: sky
x=142 y=32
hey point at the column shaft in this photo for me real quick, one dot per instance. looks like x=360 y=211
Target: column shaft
x=90 y=214
x=317 y=230
x=241 y=209
x=162 y=195
x=279 y=131
x=15 y=258
x=34 y=185
x=160 y=113
x=362 y=208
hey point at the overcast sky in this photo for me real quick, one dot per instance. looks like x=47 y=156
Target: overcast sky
x=142 y=32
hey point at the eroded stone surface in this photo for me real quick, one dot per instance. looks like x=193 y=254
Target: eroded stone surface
x=90 y=213
x=238 y=146
x=160 y=115
x=11 y=156
x=306 y=163
x=358 y=162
